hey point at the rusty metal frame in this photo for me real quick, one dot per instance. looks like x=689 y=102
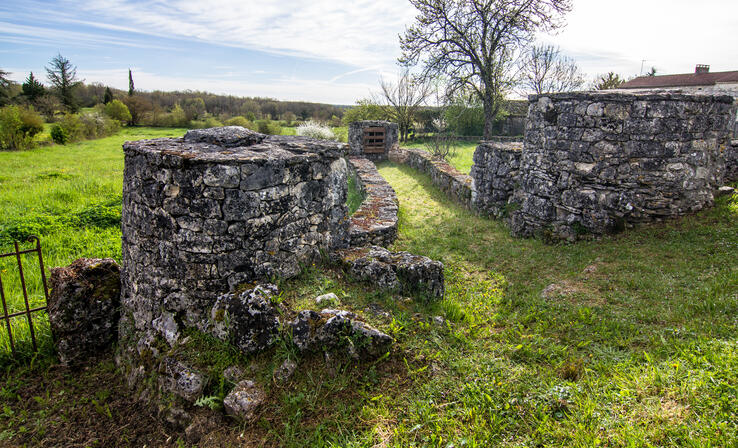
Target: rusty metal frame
x=28 y=311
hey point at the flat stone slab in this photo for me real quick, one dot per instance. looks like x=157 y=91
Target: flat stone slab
x=232 y=145
x=395 y=271
x=375 y=222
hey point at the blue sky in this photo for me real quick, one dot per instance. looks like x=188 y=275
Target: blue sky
x=324 y=50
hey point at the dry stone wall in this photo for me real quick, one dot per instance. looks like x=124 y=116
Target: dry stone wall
x=594 y=162
x=375 y=222
x=356 y=138
x=218 y=208
x=731 y=162
x=495 y=175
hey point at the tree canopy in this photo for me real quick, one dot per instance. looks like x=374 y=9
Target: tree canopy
x=608 y=81
x=475 y=44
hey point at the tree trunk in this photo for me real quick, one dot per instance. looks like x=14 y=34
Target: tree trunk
x=491 y=108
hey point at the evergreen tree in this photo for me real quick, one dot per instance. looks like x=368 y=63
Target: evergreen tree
x=32 y=88
x=131 y=87
x=63 y=77
x=108 y=95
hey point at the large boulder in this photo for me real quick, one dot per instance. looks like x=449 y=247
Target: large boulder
x=84 y=308
x=247 y=320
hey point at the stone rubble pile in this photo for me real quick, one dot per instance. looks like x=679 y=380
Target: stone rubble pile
x=395 y=271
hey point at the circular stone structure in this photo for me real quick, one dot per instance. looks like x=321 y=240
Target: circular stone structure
x=219 y=208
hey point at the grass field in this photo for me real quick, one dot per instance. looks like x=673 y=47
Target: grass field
x=462 y=156
x=634 y=342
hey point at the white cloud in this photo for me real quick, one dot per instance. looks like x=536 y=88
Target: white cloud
x=361 y=34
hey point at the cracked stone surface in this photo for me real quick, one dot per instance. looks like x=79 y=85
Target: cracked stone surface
x=247 y=320
x=338 y=330
x=83 y=308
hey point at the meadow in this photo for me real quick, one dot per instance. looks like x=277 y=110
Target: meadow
x=629 y=340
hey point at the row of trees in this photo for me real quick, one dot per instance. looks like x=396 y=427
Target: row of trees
x=66 y=93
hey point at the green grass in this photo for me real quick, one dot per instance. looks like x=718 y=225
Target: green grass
x=634 y=345
x=462 y=157
x=70 y=197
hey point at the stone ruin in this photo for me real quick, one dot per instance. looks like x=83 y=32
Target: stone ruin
x=373 y=139
x=216 y=209
x=208 y=221
x=595 y=162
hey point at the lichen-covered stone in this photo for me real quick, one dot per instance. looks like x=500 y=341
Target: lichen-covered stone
x=180 y=379
x=337 y=330
x=375 y=222
x=84 y=308
x=244 y=400
x=730 y=154
x=217 y=209
x=356 y=138
x=330 y=299
x=247 y=320
x=395 y=271
x=285 y=371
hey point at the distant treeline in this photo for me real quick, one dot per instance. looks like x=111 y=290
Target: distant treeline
x=220 y=106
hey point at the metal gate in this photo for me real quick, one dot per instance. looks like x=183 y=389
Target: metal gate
x=28 y=310
x=374 y=140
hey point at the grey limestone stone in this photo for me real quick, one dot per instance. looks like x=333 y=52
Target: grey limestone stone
x=247 y=320
x=84 y=308
x=395 y=271
x=244 y=400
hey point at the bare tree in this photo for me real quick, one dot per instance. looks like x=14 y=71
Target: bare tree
x=400 y=101
x=442 y=144
x=475 y=43
x=546 y=70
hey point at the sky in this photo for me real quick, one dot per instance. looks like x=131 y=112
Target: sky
x=326 y=51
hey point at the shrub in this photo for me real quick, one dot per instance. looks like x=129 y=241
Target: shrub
x=76 y=127
x=313 y=129
x=211 y=122
x=240 y=121
x=59 y=135
x=18 y=126
x=118 y=111
x=268 y=127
